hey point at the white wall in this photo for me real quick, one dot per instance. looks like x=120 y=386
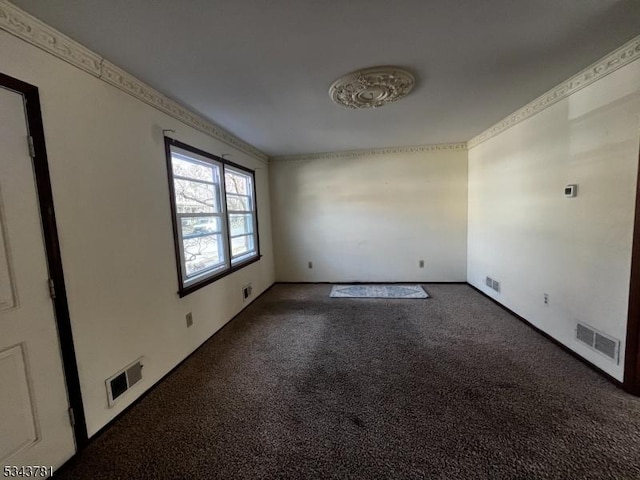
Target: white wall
x=109 y=180
x=371 y=217
x=526 y=234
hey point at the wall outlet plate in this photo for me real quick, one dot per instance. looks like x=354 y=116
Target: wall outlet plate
x=189 y=318
x=246 y=292
x=489 y=282
x=571 y=190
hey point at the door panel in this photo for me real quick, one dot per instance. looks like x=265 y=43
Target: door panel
x=34 y=423
x=7 y=285
x=17 y=422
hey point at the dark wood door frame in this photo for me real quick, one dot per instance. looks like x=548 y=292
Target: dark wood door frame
x=52 y=247
x=632 y=350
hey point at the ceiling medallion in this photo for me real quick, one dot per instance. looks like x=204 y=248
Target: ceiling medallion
x=371 y=87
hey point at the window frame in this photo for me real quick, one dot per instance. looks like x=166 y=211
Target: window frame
x=238 y=259
x=185 y=285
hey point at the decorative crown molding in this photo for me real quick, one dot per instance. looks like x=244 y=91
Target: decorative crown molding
x=117 y=77
x=32 y=30
x=620 y=57
x=28 y=28
x=456 y=147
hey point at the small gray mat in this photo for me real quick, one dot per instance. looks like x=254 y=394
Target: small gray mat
x=378 y=291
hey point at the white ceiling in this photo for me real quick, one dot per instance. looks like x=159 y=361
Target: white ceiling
x=262 y=68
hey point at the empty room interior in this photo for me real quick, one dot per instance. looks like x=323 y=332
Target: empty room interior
x=363 y=239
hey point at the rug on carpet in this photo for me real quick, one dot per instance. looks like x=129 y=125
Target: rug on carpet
x=378 y=291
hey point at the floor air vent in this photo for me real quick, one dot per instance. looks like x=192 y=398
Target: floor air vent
x=598 y=341
x=123 y=381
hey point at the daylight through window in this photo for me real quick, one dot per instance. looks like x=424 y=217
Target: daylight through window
x=213 y=236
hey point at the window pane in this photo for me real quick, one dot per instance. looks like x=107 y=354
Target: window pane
x=238 y=203
x=237 y=183
x=195 y=197
x=200 y=225
x=202 y=253
x=241 y=245
x=240 y=224
x=192 y=169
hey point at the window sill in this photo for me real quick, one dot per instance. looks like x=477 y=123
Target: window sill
x=183 y=292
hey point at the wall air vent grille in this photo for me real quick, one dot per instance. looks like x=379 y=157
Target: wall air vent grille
x=606 y=345
x=585 y=334
x=123 y=381
x=598 y=341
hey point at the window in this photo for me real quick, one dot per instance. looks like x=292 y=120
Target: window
x=214 y=215
x=241 y=212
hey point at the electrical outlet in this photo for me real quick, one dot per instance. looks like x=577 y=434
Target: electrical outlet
x=546 y=299
x=489 y=282
x=421 y=263
x=496 y=285
x=189 y=317
x=246 y=292
x=310 y=264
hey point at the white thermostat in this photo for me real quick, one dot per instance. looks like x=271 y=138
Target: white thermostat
x=571 y=190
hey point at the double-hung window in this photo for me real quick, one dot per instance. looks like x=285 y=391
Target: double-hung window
x=214 y=215
x=242 y=213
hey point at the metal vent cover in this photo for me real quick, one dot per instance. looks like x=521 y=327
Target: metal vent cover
x=134 y=374
x=122 y=381
x=598 y=341
x=606 y=345
x=585 y=334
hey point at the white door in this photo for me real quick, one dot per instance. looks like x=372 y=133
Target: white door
x=34 y=422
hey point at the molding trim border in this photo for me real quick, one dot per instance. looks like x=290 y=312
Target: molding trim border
x=620 y=57
x=28 y=28
x=457 y=147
